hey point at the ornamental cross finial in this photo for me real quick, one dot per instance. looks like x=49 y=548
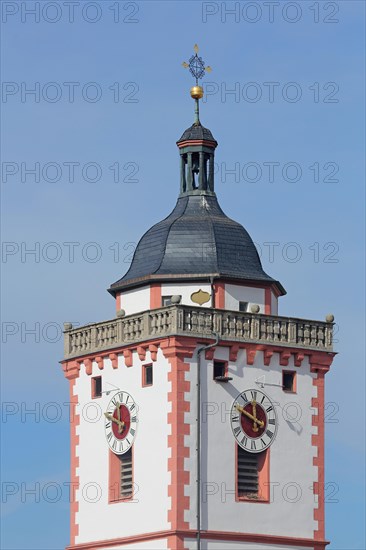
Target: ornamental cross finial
x=196 y=66
x=197 y=69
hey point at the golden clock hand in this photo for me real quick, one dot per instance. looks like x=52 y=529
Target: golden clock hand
x=119 y=422
x=259 y=422
x=120 y=427
x=254 y=411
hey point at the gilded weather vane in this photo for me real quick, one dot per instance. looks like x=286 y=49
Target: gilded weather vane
x=197 y=69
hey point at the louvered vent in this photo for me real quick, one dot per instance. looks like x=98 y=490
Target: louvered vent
x=126 y=474
x=247 y=474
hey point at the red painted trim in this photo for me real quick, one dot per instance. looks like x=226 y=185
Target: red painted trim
x=251 y=353
x=114 y=360
x=318 y=441
x=114 y=489
x=189 y=142
x=284 y=358
x=219 y=295
x=141 y=351
x=100 y=362
x=207 y=535
x=267 y=301
x=319 y=360
x=118 y=301
x=153 y=349
x=155 y=295
x=88 y=364
x=127 y=354
x=263 y=479
x=176 y=351
x=299 y=357
x=74 y=442
x=143 y=373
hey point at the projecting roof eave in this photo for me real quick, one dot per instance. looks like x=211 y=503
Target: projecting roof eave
x=139 y=281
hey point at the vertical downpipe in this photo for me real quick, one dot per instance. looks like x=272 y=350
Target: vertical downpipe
x=198 y=439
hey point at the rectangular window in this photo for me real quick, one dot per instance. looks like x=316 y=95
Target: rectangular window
x=243 y=306
x=120 y=476
x=166 y=301
x=289 y=381
x=220 y=369
x=252 y=476
x=96 y=387
x=147 y=375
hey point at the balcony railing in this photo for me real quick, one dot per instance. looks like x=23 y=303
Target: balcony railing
x=197 y=322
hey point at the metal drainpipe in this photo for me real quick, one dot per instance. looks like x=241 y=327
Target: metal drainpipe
x=198 y=443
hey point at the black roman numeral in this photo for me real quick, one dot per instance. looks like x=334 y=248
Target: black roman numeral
x=132 y=432
x=235 y=418
x=236 y=431
x=253 y=446
x=244 y=441
x=133 y=419
x=269 y=433
x=269 y=409
x=271 y=421
x=254 y=395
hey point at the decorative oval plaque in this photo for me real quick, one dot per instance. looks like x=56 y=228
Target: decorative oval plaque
x=200 y=297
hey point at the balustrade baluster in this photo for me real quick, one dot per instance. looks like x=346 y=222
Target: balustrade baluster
x=283 y=330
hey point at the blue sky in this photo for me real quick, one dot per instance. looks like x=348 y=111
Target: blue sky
x=310 y=56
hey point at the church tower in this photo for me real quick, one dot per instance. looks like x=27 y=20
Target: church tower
x=197 y=410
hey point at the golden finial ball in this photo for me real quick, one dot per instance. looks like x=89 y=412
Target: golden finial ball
x=197 y=92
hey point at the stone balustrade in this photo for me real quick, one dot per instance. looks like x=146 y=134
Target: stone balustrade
x=197 y=322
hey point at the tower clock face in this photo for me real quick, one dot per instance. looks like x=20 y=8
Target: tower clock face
x=121 y=422
x=253 y=421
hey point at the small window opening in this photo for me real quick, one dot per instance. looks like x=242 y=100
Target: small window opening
x=166 y=301
x=147 y=375
x=243 y=306
x=96 y=384
x=288 y=381
x=219 y=368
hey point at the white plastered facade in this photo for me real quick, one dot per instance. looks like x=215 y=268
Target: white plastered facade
x=292 y=473
x=100 y=520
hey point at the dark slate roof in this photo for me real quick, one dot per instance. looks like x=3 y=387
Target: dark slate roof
x=197 y=240
x=197 y=131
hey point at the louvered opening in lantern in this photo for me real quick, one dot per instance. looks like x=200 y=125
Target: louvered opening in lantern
x=126 y=474
x=248 y=478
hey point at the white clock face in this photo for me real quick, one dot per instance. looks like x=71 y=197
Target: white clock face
x=253 y=421
x=121 y=422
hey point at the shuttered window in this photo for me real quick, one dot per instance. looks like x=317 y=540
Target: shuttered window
x=248 y=476
x=126 y=474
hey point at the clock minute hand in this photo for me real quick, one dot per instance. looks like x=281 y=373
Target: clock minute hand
x=113 y=419
x=243 y=411
x=254 y=412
